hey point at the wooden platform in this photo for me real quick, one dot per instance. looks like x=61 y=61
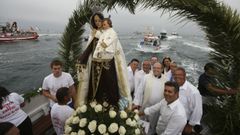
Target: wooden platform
x=43 y=125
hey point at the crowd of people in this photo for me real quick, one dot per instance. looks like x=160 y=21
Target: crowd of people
x=158 y=88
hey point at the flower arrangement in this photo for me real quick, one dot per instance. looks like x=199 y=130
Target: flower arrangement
x=27 y=96
x=102 y=119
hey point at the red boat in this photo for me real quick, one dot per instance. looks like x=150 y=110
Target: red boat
x=12 y=33
x=20 y=36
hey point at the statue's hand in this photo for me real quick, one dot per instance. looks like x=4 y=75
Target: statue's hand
x=94 y=31
x=103 y=44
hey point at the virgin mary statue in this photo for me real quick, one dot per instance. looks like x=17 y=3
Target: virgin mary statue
x=103 y=79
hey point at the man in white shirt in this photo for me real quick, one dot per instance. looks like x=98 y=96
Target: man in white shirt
x=132 y=68
x=56 y=80
x=150 y=92
x=190 y=98
x=154 y=59
x=60 y=111
x=146 y=68
x=172 y=117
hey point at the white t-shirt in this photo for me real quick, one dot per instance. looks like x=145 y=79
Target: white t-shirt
x=11 y=110
x=172 y=117
x=192 y=102
x=59 y=114
x=131 y=78
x=53 y=83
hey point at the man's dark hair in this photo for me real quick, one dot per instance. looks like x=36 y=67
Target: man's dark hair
x=181 y=69
x=61 y=93
x=5 y=127
x=100 y=15
x=209 y=66
x=134 y=59
x=3 y=93
x=56 y=63
x=172 y=84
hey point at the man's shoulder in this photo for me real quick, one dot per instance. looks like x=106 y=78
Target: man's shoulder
x=203 y=77
x=48 y=77
x=191 y=88
x=139 y=73
x=66 y=75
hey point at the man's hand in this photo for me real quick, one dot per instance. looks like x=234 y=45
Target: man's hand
x=47 y=94
x=135 y=107
x=187 y=129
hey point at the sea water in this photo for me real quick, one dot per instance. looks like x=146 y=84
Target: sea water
x=24 y=64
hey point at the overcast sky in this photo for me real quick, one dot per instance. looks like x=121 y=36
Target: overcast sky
x=53 y=15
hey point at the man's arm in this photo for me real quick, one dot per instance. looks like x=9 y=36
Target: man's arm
x=73 y=93
x=138 y=99
x=217 y=90
x=47 y=94
x=153 y=109
x=196 y=116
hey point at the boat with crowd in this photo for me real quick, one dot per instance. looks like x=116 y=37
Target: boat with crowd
x=150 y=43
x=12 y=32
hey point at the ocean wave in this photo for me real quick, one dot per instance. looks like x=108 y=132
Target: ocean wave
x=196 y=45
x=50 y=35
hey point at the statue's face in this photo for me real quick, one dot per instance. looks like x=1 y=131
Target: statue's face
x=97 y=21
x=105 y=25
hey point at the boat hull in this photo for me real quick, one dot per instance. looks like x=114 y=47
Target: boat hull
x=19 y=37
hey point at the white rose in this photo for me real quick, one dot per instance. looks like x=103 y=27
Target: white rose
x=78 y=110
x=137 y=131
x=105 y=134
x=105 y=104
x=67 y=130
x=39 y=90
x=128 y=121
x=123 y=114
x=122 y=130
x=81 y=132
x=133 y=123
x=82 y=122
x=83 y=108
x=74 y=113
x=102 y=128
x=69 y=120
x=75 y=120
x=98 y=108
x=136 y=111
x=73 y=133
x=112 y=114
x=93 y=104
x=136 y=117
x=113 y=128
x=92 y=126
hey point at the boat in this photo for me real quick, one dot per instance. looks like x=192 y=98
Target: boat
x=38 y=110
x=163 y=35
x=150 y=43
x=12 y=33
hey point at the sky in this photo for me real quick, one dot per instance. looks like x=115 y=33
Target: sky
x=52 y=16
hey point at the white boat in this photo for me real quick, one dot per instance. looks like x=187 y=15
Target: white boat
x=163 y=35
x=150 y=43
